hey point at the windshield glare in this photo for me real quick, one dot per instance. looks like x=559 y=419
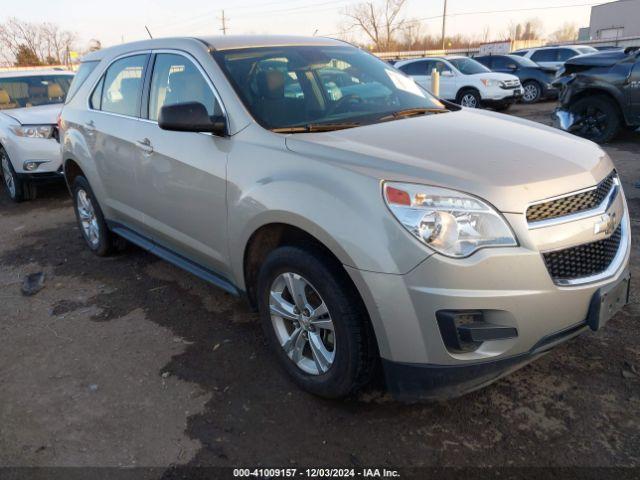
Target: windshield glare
x=33 y=90
x=468 y=66
x=297 y=86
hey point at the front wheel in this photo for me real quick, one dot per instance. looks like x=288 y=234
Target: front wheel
x=531 y=91
x=90 y=218
x=597 y=119
x=469 y=99
x=18 y=190
x=315 y=322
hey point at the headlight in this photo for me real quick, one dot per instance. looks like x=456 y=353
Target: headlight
x=452 y=223
x=488 y=82
x=33 y=131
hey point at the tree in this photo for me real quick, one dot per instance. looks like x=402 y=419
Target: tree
x=44 y=41
x=379 y=21
x=26 y=57
x=566 y=33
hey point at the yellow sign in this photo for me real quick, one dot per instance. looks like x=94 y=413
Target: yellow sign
x=74 y=55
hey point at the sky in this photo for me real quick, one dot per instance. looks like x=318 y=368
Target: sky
x=115 y=21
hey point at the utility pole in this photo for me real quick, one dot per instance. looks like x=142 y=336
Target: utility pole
x=224 y=23
x=444 y=23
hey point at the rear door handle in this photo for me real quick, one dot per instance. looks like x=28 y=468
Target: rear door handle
x=90 y=127
x=145 y=146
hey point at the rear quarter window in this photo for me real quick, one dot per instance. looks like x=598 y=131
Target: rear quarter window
x=81 y=75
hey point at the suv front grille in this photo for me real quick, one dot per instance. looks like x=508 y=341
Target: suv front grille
x=573 y=203
x=584 y=260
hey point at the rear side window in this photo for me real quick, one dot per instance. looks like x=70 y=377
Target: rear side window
x=121 y=86
x=415 y=68
x=565 y=54
x=81 y=75
x=547 y=55
x=177 y=80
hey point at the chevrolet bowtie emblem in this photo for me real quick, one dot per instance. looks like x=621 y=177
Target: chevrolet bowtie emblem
x=606 y=224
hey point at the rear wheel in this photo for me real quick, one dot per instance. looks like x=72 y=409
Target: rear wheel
x=315 y=322
x=597 y=119
x=18 y=190
x=90 y=218
x=531 y=91
x=469 y=98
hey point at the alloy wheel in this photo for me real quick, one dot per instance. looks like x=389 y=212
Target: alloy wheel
x=469 y=100
x=88 y=219
x=302 y=323
x=530 y=93
x=8 y=175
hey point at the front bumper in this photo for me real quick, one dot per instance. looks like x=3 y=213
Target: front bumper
x=497 y=95
x=510 y=286
x=22 y=150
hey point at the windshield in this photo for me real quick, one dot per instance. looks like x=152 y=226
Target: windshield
x=523 y=61
x=468 y=66
x=301 y=85
x=33 y=90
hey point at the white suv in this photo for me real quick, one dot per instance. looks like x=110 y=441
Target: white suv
x=552 y=58
x=465 y=81
x=30 y=101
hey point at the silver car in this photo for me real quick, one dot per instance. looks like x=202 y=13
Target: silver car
x=368 y=222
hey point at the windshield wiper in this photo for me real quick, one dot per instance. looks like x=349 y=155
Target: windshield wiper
x=316 y=127
x=411 y=112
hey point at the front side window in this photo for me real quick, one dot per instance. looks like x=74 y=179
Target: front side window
x=123 y=86
x=468 y=66
x=297 y=86
x=33 y=90
x=177 y=80
x=504 y=63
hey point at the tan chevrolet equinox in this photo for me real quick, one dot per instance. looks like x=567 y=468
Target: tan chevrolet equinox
x=374 y=227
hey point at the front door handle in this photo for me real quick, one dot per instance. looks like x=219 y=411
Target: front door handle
x=145 y=146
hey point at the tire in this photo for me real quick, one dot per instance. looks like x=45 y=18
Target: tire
x=348 y=350
x=90 y=218
x=469 y=98
x=598 y=119
x=17 y=189
x=531 y=92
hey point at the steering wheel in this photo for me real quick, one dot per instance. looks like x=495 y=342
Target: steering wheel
x=343 y=101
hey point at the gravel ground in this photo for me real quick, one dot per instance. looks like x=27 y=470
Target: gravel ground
x=128 y=361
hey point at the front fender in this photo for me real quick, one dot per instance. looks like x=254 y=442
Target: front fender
x=341 y=208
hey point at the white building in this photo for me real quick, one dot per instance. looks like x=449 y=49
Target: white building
x=614 y=20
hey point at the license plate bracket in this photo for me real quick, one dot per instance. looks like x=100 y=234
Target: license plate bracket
x=607 y=301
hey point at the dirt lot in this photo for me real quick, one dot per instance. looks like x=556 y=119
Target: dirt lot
x=128 y=361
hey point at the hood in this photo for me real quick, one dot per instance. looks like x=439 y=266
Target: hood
x=43 y=115
x=508 y=161
x=603 y=59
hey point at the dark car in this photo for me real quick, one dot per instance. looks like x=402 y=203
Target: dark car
x=536 y=81
x=600 y=94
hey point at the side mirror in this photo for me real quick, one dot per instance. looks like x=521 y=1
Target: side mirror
x=191 y=117
x=446 y=73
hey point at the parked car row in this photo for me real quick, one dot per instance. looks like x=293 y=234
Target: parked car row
x=372 y=225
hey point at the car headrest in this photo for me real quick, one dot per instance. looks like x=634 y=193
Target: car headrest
x=270 y=84
x=185 y=86
x=129 y=87
x=54 y=90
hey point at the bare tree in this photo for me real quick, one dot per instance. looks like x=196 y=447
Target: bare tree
x=379 y=21
x=567 y=32
x=45 y=42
